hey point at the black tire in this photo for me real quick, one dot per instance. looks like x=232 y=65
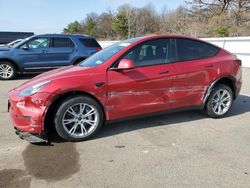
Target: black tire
x=209 y=105
x=71 y=102
x=12 y=68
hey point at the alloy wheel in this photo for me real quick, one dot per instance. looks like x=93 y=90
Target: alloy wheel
x=221 y=102
x=6 y=71
x=80 y=120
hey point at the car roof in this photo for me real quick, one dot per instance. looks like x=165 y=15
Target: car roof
x=167 y=36
x=160 y=36
x=144 y=38
x=64 y=35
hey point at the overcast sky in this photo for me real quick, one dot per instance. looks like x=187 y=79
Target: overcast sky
x=51 y=16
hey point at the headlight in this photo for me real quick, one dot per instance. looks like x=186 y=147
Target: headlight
x=34 y=89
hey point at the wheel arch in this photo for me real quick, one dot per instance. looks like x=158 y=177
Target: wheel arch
x=56 y=101
x=227 y=80
x=12 y=62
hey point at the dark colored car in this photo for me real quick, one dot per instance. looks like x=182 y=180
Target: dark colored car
x=8 y=36
x=44 y=52
x=130 y=78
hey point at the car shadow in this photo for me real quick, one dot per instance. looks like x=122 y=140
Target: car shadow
x=241 y=105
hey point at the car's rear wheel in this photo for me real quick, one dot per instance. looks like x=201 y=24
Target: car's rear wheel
x=220 y=101
x=7 y=70
x=78 y=118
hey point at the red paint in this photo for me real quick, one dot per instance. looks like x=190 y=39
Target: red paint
x=140 y=90
x=134 y=91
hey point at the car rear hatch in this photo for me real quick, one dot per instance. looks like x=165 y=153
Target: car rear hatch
x=91 y=44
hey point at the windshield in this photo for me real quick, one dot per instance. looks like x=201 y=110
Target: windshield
x=103 y=55
x=21 y=42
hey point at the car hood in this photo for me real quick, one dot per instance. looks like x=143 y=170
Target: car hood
x=61 y=73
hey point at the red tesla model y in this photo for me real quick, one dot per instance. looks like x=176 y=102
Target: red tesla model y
x=130 y=78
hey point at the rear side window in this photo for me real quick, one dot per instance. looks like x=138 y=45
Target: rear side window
x=62 y=42
x=90 y=43
x=191 y=49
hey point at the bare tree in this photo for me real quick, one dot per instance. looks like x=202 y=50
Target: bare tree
x=201 y=18
x=104 y=25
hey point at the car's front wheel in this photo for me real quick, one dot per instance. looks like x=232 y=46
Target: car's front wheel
x=78 y=118
x=7 y=70
x=220 y=101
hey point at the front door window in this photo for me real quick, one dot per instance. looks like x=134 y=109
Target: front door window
x=37 y=43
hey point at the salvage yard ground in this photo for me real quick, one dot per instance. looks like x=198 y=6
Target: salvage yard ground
x=185 y=149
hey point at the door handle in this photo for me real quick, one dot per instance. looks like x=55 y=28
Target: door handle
x=209 y=66
x=164 y=72
x=45 y=51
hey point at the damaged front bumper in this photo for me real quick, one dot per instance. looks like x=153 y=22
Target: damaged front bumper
x=27 y=115
x=33 y=138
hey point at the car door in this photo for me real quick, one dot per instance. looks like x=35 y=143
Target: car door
x=195 y=67
x=145 y=88
x=31 y=54
x=61 y=51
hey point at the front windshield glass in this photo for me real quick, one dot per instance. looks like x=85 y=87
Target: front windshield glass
x=21 y=42
x=103 y=55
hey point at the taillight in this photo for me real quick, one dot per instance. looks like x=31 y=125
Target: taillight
x=239 y=62
x=98 y=49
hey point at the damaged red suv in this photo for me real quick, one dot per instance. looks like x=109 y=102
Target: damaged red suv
x=130 y=78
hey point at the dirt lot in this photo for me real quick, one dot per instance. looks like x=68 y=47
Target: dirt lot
x=185 y=149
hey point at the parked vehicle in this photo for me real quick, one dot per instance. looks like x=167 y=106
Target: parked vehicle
x=131 y=78
x=44 y=52
x=11 y=44
x=7 y=37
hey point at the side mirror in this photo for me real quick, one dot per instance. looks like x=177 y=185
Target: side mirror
x=125 y=64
